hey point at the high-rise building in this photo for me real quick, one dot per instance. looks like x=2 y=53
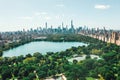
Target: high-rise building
x=0 y=37
x=62 y=25
x=72 y=30
x=46 y=25
x=72 y=24
x=113 y=37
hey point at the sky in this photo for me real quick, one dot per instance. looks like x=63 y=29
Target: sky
x=25 y=14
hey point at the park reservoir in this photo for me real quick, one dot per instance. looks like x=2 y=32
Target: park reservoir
x=42 y=47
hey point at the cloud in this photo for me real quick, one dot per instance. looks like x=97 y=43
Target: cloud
x=48 y=18
x=60 y=5
x=60 y=16
x=40 y=13
x=43 y=13
x=102 y=7
x=37 y=13
x=26 y=18
x=57 y=17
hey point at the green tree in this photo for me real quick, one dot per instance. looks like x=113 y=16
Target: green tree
x=75 y=72
x=6 y=73
x=89 y=64
x=75 y=61
x=31 y=76
x=38 y=55
x=1 y=53
x=29 y=60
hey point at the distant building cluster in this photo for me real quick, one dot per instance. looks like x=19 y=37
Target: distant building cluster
x=110 y=36
x=39 y=33
x=17 y=36
x=59 y=30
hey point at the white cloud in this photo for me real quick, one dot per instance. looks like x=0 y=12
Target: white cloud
x=37 y=13
x=40 y=13
x=60 y=5
x=43 y=13
x=102 y=7
x=59 y=16
x=26 y=18
x=48 y=18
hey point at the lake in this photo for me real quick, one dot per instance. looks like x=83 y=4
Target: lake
x=42 y=47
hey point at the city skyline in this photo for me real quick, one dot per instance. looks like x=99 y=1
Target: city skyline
x=24 y=14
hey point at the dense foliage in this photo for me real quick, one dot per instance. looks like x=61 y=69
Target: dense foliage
x=38 y=66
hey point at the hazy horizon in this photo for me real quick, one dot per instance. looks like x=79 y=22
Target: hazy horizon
x=25 y=14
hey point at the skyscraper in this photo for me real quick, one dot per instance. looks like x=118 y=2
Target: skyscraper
x=72 y=24
x=62 y=25
x=46 y=25
x=72 y=30
x=0 y=36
